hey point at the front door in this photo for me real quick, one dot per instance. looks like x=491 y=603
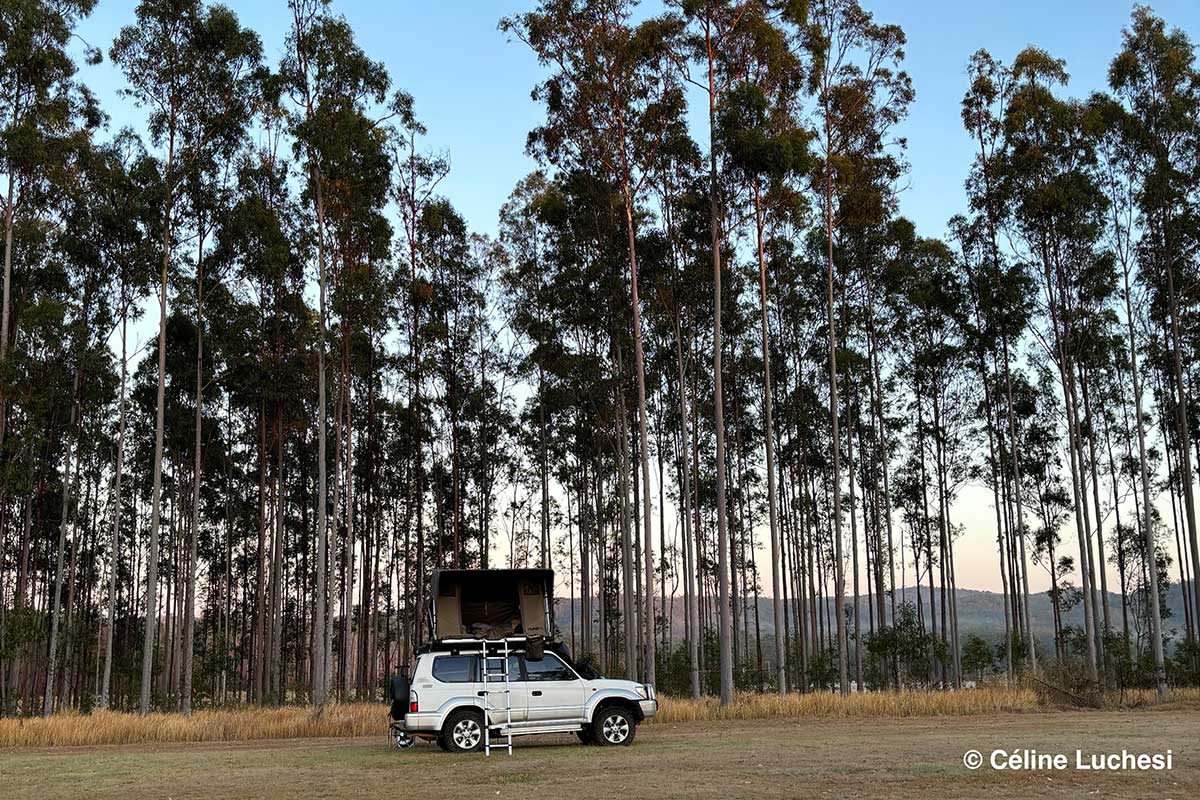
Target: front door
x=556 y=693
x=518 y=693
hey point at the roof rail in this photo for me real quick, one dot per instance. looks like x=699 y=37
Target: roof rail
x=473 y=643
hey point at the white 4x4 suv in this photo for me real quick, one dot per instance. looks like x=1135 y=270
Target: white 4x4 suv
x=453 y=691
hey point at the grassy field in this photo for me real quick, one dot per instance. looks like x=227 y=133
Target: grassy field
x=895 y=757
x=250 y=723
x=360 y=719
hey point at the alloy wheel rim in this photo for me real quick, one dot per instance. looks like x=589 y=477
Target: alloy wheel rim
x=467 y=734
x=616 y=729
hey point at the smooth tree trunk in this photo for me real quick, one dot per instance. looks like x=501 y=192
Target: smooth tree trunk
x=320 y=652
x=189 y=616
x=725 y=633
x=320 y=657
x=348 y=550
x=628 y=615
x=56 y=598
x=769 y=436
x=151 y=626
x=1093 y=468
x=691 y=589
x=115 y=539
x=9 y=218
x=1156 y=639
x=644 y=445
x=260 y=601
x=647 y=511
x=689 y=559
x=1181 y=415
x=1014 y=443
x=839 y=580
x=854 y=566
x=1066 y=375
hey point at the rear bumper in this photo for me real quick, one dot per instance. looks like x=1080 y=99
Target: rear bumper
x=420 y=723
x=649 y=708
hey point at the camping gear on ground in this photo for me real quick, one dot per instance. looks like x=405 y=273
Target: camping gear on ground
x=398 y=692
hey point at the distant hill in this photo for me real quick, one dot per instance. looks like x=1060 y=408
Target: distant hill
x=980 y=612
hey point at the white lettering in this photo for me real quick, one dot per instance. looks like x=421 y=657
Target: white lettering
x=1123 y=761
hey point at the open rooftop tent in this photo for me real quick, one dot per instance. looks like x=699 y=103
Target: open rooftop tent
x=492 y=603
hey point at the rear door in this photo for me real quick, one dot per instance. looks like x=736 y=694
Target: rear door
x=456 y=677
x=556 y=693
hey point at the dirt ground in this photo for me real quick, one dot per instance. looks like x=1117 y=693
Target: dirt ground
x=886 y=758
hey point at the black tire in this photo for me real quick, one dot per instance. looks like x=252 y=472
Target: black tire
x=463 y=731
x=613 y=726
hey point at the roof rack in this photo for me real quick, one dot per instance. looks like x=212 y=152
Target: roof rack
x=473 y=643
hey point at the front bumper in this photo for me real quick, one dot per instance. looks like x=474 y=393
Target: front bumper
x=649 y=708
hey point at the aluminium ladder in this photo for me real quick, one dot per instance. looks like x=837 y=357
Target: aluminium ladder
x=501 y=676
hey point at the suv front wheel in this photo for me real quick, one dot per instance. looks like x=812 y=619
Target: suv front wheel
x=613 y=726
x=463 y=732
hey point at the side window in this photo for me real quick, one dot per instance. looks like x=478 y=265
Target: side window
x=514 y=670
x=550 y=668
x=456 y=669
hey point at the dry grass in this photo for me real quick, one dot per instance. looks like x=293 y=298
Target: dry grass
x=1139 y=698
x=914 y=758
x=827 y=705
x=111 y=727
x=368 y=719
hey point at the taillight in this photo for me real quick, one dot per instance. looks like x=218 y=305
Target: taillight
x=412 y=703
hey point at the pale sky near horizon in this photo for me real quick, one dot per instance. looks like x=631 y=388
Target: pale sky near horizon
x=471 y=89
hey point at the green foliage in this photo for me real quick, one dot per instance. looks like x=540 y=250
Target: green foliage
x=977 y=655
x=910 y=654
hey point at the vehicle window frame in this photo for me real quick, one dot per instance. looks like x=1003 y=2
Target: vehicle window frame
x=529 y=675
x=473 y=677
x=519 y=675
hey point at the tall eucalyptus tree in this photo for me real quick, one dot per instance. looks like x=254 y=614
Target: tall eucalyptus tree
x=610 y=97
x=1156 y=77
x=158 y=56
x=861 y=93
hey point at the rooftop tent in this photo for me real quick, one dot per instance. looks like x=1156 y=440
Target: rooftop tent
x=492 y=603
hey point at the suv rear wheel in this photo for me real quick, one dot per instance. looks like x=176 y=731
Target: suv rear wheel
x=463 y=732
x=613 y=726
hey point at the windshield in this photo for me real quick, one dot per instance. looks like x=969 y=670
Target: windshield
x=587 y=670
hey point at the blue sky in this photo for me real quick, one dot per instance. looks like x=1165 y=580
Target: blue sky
x=472 y=86
x=472 y=91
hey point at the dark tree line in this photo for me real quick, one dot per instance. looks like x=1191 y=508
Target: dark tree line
x=693 y=353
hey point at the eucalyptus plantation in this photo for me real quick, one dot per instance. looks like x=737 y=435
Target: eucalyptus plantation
x=699 y=341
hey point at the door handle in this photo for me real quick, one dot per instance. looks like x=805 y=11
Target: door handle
x=481 y=693
x=536 y=692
